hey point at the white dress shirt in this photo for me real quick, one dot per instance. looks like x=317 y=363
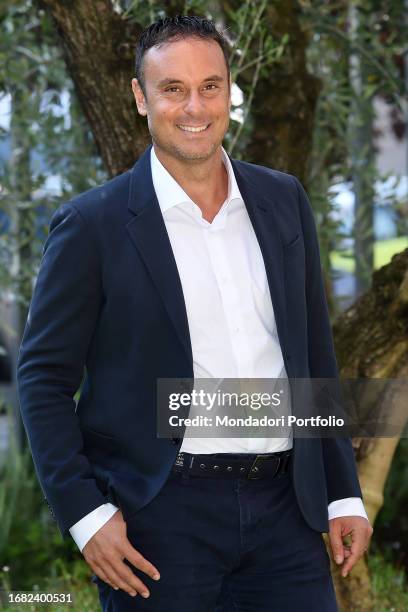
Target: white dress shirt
x=230 y=315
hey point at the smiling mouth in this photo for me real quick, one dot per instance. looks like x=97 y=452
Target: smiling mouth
x=194 y=129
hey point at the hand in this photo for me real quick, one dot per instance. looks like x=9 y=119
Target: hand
x=360 y=532
x=105 y=551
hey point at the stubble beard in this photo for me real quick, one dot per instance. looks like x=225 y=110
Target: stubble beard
x=181 y=153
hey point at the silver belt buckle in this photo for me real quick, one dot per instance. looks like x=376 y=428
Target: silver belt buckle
x=254 y=470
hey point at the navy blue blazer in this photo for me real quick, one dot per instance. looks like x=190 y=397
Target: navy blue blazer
x=108 y=298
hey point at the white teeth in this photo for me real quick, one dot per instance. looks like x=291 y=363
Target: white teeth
x=193 y=129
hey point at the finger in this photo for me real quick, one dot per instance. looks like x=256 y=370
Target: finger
x=115 y=579
x=336 y=542
x=357 y=549
x=129 y=579
x=349 y=564
x=140 y=562
x=98 y=570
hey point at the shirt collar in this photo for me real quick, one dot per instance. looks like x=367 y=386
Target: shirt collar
x=168 y=191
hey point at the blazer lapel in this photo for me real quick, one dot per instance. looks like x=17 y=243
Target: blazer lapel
x=149 y=235
x=260 y=209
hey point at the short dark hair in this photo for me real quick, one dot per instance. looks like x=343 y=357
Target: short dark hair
x=176 y=28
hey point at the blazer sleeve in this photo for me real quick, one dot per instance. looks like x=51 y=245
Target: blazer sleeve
x=338 y=455
x=62 y=317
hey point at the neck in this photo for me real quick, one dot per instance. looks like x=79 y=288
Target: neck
x=204 y=181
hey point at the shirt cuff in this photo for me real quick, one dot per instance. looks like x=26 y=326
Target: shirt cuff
x=83 y=530
x=349 y=506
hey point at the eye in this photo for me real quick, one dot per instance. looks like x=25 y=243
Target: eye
x=212 y=86
x=173 y=89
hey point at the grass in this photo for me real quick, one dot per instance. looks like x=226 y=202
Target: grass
x=389 y=585
x=64 y=577
x=383 y=252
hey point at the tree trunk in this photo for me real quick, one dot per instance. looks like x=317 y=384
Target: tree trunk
x=99 y=51
x=371 y=342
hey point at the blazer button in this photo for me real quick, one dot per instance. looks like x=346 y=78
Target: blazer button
x=175 y=440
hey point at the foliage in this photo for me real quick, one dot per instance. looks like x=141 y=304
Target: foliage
x=253 y=50
x=29 y=539
x=391 y=526
x=389 y=585
x=61 y=576
x=346 y=105
x=47 y=135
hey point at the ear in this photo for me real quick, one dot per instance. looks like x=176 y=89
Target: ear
x=139 y=97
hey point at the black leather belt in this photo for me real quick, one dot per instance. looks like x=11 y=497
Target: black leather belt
x=234 y=465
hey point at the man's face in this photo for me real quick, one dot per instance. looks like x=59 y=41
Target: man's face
x=187 y=86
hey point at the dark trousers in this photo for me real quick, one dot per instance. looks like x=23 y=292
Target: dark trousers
x=227 y=545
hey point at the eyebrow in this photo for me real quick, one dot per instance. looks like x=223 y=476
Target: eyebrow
x=170 y=81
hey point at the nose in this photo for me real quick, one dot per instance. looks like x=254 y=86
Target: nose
x=194 y=103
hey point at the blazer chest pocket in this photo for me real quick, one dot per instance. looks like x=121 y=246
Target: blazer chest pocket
x=101 y=448
x=294 y=255
x=293 y=245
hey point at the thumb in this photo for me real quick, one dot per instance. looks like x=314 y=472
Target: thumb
x=336 y=541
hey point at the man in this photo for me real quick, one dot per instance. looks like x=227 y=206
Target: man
x=177 y=269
